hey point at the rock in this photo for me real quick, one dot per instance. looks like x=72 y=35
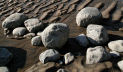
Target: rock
x=49 y=56
x=116 y=45
x=61 y=70
x=120 y=64
x=39 y=33
x=88 y=16
x=5 y=56
x=82 y=40
x=14 y=20
x=55 y=35
x=97 y=34
x=114 y=54
x=29 y=35
x=4 y=69
x=96 y=54
x=33 y=25
x=36 y=41
x=19 y=31
x=68 y=57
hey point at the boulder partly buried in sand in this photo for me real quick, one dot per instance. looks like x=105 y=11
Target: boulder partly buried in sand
x=14 y=20
x=97 y=34
x=88 y=16
x=96 y=55
x=33 y=25
x=55 y=35
x=19 y=31
x=120 y=64
x=68 y=57
x=5 y=56
x=4 y=69
x=36 y=41
x=49 y=56
x=116 y=45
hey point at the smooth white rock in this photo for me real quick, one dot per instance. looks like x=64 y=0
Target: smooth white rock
x=68 y=57
x=36 y=41
x=120 y=64
x=4 y=69
x=39 y=33
x=19 y=31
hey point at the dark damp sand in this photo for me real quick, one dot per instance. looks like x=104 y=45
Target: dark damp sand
x=26 y=55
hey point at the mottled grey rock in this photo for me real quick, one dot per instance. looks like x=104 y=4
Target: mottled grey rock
x=55 y=35
x=114 y=54
x=82 y=40
x=36 y=41
x=33 y=25
x=88 y=15
x=120 y=64
x=14 y=20
x=68 y=57
x=49 y=55
x=97 y=34
x=4 y=69
x=116 y=45
x=29 y=35
x=5 y=56
x=61 y=70
x=96 y=54
x=19 y=31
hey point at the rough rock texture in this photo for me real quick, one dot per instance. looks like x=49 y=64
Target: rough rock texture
x=61 y=70
x=97 y=34
x=68 y=57
x=36 y=41
x=55 y=35
x=5 y=56
x=96 y=54
x=82 y=40
x=4 y=69
x=14 y=20
x=33 y=25
x=114 y=54
x=49 y=55
x=20 y=31
x=116 y=45
x=29 y=35
x=120 y=64
x=88 y=16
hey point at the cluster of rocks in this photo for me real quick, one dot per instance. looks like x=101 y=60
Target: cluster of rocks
x=55 y=35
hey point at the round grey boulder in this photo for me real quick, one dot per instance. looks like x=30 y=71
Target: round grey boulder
x=55 y=35
x=49 y=56
x=36 y=41
x=5 y=56
x=120 y=65
x=19 y=31
x=97 y=34
x=33 y=25
x=116 y=45
x=14 y=20
x=4 y=69
x=88 y=15
x=96 y=55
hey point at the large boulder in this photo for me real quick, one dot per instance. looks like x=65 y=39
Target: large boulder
x=120 y=64
x=36 y=41
x=19 y=31
x=55 y=35
x=88 y=16
x=4 y=69
x=97 y=34
x=14 y=20
x=33 y=25
x=5 y=56
x=116 y=45
x=49 y=56
x=82 y=40
x=96 y=55
x=68 y=57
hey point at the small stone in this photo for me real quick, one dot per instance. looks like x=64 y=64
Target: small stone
x=14 y=20
x=61 y=70
x=29 y=35
x=39 y=33
x=116 y=45
x=120 y=64
x=19 y=31
x=114 y=54
x=5 y=56
x=4 y=69
x=55 y=35
x=88 y=15
x=69 y=57
x=96 y=55
x=33 y=25
x=49 y=56
x=36 y=41
x=97 y=34
x=82 y=40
